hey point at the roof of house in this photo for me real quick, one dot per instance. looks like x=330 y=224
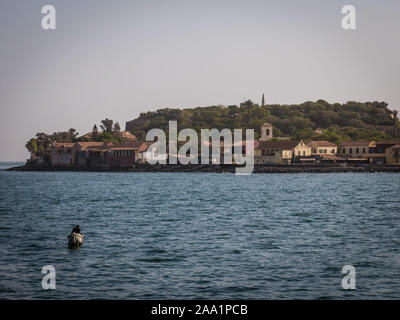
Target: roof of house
x=355 y=143
x=86 y=136
x=277 y=145
x=388 y=142
x=90 y=144
x=321 y=144
x=63 y=144
x=126 y=135
x=266 y=124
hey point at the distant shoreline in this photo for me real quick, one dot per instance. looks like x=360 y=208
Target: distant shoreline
x=212 y=168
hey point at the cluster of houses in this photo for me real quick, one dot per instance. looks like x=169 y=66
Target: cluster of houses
x=98 y=154
x=270 y=151
x=267 y=150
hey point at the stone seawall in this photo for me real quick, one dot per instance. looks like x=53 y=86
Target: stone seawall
x=295 y=168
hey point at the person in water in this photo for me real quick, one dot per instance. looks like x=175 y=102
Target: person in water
x=73 y=241
x=76 y=229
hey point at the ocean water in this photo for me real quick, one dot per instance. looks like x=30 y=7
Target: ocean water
x=200 y=236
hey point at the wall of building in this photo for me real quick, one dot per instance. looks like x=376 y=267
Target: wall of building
x=302 y=150
x=276 y=157
x=324 y=150
x=62 y=157
x=354 y=151
x=120 y=158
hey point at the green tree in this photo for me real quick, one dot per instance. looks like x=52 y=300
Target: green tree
x=116 y=128
x=107 y=125
x=31 y=145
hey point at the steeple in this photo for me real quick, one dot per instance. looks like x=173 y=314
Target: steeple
x=266 y=131
x=262 y=101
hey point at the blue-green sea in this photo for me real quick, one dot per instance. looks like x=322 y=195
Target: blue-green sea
x=200 y=235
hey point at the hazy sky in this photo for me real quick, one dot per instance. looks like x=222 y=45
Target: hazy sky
x=118 y=58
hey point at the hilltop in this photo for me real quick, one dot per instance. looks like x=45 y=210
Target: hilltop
x=339 y=122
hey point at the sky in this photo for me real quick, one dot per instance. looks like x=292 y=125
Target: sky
x=116 y=59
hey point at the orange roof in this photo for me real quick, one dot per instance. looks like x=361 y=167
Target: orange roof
x=90 y=144
x=127 y=135
x=322 y=144
x=63 y=144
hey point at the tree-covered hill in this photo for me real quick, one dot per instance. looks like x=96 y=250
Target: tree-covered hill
x=340 y=122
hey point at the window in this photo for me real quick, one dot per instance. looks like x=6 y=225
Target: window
x=267 y=132
x=357 y=150
x=320 y=150
x=333 y=151
x=299 y=153
x=363 y=150
x=351 y=150
x=344 y=150
x=325 y=151
x=304 y=153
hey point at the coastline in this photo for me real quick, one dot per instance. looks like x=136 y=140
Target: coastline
x=213 y=168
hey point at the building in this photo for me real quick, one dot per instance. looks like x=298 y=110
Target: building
x=266 y=132
x=356 y=149
x=81 y=150
x=367 y=151
x=380 y=156
x=146 y=154
x=95 y=154
x=382 y=145
x=111 y=157
x=280 y=151
x=322 y=148
x=62 y=154
x=392 y=155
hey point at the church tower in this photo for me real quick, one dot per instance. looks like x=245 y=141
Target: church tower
x=266 y=132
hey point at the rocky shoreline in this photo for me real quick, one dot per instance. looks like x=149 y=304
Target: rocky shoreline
x=294 y=168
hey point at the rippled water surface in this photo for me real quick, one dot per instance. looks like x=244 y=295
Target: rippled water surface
x=205 y=236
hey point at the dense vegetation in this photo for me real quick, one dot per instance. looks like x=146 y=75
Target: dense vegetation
x=340 y=122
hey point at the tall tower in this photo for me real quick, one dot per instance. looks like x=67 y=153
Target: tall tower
x=266 y=131
x=262 y=101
